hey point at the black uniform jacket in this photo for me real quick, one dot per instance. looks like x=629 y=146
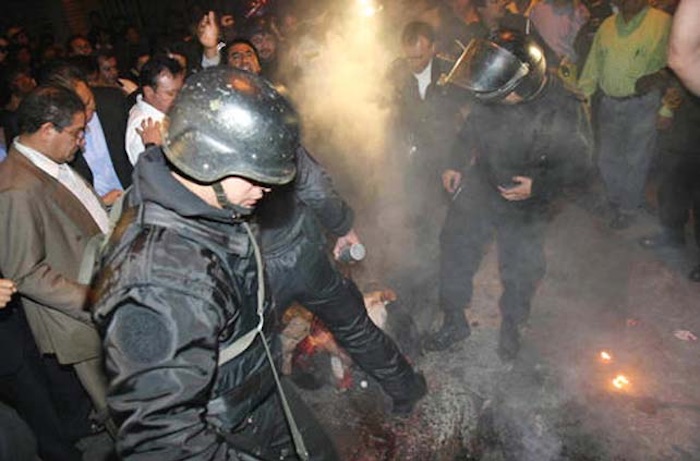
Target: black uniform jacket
x=546 y=139
x=178 y=282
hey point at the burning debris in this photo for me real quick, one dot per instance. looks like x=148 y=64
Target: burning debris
x=621 y=382
x=311 y=355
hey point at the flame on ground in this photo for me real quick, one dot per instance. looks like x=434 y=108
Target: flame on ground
x=621 y=382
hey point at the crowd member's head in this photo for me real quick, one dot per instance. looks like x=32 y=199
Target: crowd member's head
x=490 y=12
x=21 y=55
x=87 y=65
x=4 y=50
x=241 y=54
x=227 y=26
x=18 y=35
x=177 y=52
x=52 y=121
x=265 y=41
x=108 y=70
x=140 y=59
x=20 y=82
x=51 y=53
x=71 y=77
x=161 y=79
x=78 y=45
x=132 y=35
x=630 y=8
x=418 y=43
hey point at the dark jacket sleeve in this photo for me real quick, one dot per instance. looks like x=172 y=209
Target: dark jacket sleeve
x=564 y=149
x=464 y=145
x=161 y=359
x=314 y=187
x=24 y=258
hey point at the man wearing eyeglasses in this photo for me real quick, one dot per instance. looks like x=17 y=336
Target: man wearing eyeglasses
x=50 y=213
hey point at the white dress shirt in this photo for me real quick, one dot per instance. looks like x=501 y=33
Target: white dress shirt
x=424 y=79
x=71 y=181
x=138 y=113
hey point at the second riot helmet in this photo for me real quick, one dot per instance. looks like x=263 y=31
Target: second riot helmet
x=226 y=122
x=506 y=62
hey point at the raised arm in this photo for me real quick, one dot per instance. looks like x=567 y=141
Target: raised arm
x=684 y=49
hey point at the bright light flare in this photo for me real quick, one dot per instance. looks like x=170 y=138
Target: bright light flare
x=605 y=357
x=621 y=382
x=368 y=8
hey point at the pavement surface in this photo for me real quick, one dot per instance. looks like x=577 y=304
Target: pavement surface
x=602 y=292
x=557 y=401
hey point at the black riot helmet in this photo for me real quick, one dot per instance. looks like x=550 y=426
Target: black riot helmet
x=506 y=62
x=227 y=122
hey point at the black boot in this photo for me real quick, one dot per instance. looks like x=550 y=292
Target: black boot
x=694 y=274
x=454 y=329
x=404 y=406
x=508 y=341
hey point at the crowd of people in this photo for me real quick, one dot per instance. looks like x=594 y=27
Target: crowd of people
x=180 y=164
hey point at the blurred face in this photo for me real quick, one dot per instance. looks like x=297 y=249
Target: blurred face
x=108 y=70
x=66 y=142
x=265 y=44
x=228 y=27
x=24 y=56
x=85 y=94
x=163 y=95
x=22 y=84
x=81 y=47
x=630 y=8
x=242 y=192
x=132 y=35
x=4 y=49
x=419 y=54
x=242 y=56
x=493 y=11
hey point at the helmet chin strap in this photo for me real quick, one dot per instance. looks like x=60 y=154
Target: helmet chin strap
x=225 y=203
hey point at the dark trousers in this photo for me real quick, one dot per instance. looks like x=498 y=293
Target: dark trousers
x=471 y=224
x=627 y=139
x=306 y=275
x=35 y=387
x=679 y=193
x=265 y=433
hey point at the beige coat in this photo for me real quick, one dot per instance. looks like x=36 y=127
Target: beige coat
x=43 y=233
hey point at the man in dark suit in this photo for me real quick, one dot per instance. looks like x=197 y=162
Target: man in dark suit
x=50 y=214
x=103 y=161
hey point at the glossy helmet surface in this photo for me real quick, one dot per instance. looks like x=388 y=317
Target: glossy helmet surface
x=227 y=122
x=506 y=62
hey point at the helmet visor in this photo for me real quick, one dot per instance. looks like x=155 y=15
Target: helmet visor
x=488 y=70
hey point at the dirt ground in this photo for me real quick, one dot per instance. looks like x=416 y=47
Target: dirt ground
x=556 y=402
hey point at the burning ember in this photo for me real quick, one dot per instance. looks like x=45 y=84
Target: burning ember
x=605 y=357
x=621 y=382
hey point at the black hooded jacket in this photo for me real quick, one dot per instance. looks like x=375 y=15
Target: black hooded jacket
x=179 y=281
x=305 y=207
x=547 y=139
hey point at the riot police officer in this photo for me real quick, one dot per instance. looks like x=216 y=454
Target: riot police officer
x=180 y=296
x=525 y=139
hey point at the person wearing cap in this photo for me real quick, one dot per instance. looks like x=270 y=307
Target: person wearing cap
x=180 y=296
x=524 y=140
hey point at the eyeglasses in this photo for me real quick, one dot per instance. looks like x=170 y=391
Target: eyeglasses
x=75 y=133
